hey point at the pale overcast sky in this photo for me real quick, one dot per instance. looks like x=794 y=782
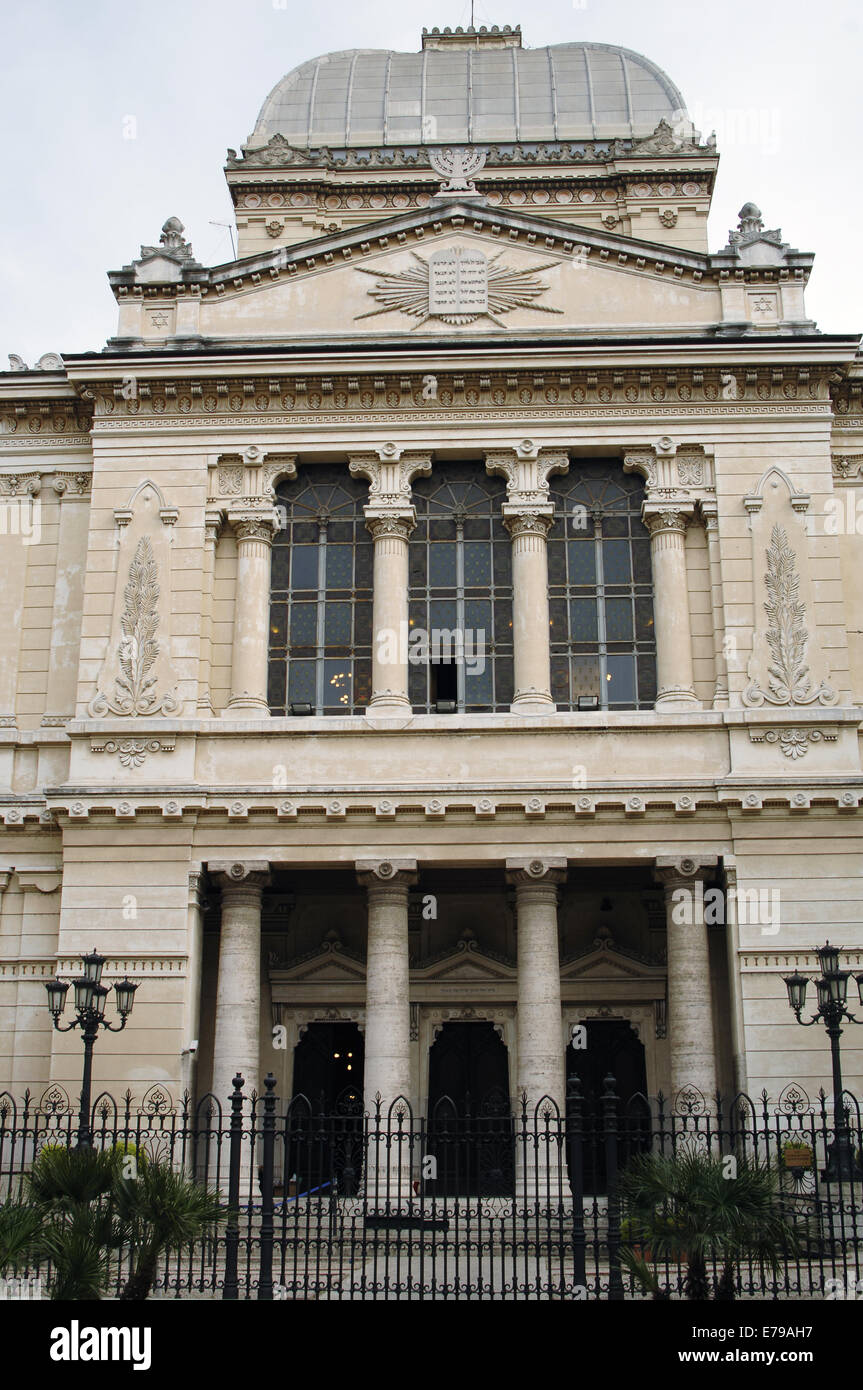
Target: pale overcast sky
x=779 y=80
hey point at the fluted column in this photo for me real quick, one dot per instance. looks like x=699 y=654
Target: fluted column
x=674 y=679
x=387 y=1042
x=254 y=531
x=391 y=532
x=690 y=1001
x=540 y=1043
x=530 y=632
x=238 y=992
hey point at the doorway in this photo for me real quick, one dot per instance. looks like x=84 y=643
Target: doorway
x=325 y=1125
x=470 y=1127
x=612 y=1047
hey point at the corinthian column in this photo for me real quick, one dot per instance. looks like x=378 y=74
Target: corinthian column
x=528 y=515
x=390 y=517
x=387 y=1050
x=391 y=533
x=254 y=529
x=530 y=632
x=540 y=1043
x=690 y=1004
x=667 y=525
x=238 y=992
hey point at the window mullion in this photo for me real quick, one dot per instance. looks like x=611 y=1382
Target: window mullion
x=600 y=613
x=321 y=617
x=459 y=613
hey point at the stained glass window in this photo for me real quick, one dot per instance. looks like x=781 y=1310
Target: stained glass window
x=600 y=590
x=321 y=595
x=460 y=598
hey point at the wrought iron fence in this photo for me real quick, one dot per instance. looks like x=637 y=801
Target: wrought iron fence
x=372 y=1203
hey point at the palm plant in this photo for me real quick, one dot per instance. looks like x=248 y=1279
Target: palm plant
x=70 y=1193
x=20 y=1223
x=164 y=1211
x=694 y=1206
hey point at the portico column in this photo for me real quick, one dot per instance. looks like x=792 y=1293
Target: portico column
x=528 y=515
x=238 y=992
x=254 y=532
x=540 y=1043
x=387 y=1042
x=213 y=518
x=674 y=680
x=690 y=1002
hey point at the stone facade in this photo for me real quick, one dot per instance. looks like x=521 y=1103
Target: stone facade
x=395 y=869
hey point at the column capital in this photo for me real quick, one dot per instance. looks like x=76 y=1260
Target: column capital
x=535 y=520
x=254 y=523
x=251 y=873
x=214 y=520
x=672 y=515
x=386 y=873
x=395 y=523
x=673 y=870
x=539 y=873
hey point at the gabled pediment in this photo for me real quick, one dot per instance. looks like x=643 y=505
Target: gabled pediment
x=606 y=961
x=330 y=965
x=462 y=268
x=467 y=962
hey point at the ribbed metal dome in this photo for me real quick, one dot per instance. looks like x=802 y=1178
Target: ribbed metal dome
x=462 y=95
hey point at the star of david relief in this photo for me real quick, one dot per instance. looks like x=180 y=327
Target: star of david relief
x=458 y=285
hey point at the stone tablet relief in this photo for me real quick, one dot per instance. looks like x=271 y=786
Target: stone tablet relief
x=458 y=284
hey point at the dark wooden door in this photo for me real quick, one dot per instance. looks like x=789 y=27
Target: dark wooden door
x=613 y=1049
x=469 y=1121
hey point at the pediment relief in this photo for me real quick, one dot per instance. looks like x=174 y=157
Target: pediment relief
x=423 y=273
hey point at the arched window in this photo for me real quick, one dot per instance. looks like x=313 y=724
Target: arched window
x=603 y=649
x=321 y=596
x=460 y=610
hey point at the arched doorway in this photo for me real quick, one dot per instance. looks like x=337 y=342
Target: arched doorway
x=470 y=1128
x=611 y=1048
x=325 y=1120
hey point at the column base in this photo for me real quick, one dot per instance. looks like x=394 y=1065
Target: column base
x=532 y=702
x=388 y=706
x=677 y=697
x=246 y=704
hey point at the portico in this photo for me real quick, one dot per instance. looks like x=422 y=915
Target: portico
x=532 y=948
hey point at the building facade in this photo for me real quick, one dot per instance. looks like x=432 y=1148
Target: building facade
x=439 y=629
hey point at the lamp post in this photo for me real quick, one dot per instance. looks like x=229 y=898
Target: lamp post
x=832 y=990
x=90 y=999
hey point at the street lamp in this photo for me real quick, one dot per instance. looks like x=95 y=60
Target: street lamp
x=832 y=1010
x=90 y=999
